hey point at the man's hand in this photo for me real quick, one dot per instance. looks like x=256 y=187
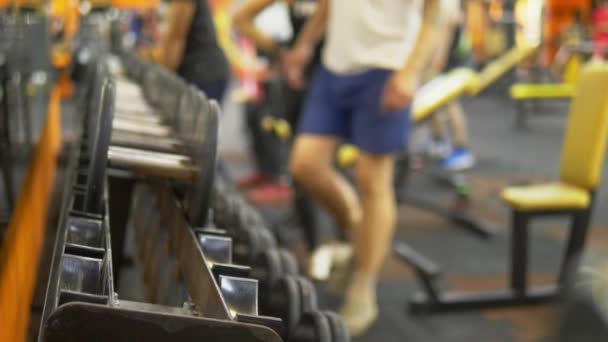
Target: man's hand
x=399 y=91
x=293 y=64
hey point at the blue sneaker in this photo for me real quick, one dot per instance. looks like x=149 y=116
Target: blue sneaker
x=460 y=159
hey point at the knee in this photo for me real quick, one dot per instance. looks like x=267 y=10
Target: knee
x=373 y=182
x=301 y=167
x=370 y=185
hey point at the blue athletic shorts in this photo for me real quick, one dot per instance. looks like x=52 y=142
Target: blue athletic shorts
x=348 y=106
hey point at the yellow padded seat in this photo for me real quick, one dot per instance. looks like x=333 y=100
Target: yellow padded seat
x=546 y=197
x=500 y=66
x=440 y=91
x=523 y=91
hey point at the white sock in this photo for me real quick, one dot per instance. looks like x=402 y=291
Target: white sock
x=362 y=289
x=360 y=309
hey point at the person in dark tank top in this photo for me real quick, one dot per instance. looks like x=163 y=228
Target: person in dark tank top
x=292 y=97
x=299 y=12
x=190 y=47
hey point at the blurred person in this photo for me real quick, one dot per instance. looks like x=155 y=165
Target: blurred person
x=374 y=55
x=268 y=183
x=190 y=47
x=456 y=156
x=293 y=97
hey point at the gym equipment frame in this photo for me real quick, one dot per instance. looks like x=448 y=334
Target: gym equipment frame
x=572 y=196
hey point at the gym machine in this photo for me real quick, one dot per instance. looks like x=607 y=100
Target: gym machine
x=571 y=197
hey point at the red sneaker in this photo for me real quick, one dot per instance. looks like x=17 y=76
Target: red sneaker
x=253 y=180
x=270 y=193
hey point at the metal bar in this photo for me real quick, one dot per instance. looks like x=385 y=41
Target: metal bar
x=426 y=270
x=576 y=243
x=416 y=260
x=197 y=276
x=132 y=104
x=463 y=220
x=519 y=252
x=139 y=127
x=120 y=192
x=462 y=301
x=153 y=144
x=154 y=164
x=149 y=119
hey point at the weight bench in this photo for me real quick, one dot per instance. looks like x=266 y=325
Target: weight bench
x=521 y=92
x=498 y=68
x=572 y=196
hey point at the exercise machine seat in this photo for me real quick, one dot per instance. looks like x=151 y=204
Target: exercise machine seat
x=525 y=91
x=587 y=128
x=440 y=91
x=500 y=66
x=546 y=197
x=582 y=152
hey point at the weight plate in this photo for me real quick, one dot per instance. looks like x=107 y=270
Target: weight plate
x=289 y=264
x=204 y=147
x=313 y=326
x=100 y=143
x=267 y=240
x=284 y=303
x=308 y=294
x=246 y=246
x=267 y=269
x=339 y=333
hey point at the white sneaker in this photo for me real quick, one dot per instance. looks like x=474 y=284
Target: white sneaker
x=359 y=314
x=328 y=257
x=342 y=270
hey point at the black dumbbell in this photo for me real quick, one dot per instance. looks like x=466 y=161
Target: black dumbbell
x=197 y=168
x=249 y=243
x=270 y=266
x=312 y=326
x=290 y=297
x=320 y=326
x=231 y=210
x=339 y=333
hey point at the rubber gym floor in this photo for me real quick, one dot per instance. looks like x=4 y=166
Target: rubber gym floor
x=506 y=155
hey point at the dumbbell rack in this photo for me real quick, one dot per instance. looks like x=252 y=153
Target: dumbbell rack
x=193 y=288
x=81 y=303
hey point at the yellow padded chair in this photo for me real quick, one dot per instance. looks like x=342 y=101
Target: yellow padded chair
x=572 y=196
x=581 y=166
x=582 y=153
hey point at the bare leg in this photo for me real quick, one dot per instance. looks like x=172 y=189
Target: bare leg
x=437 y=129
x=374 y=178
x=311 y=165
x=458 y=124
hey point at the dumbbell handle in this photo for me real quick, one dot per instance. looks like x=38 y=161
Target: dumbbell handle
x=138 y=117
x=149 y=129
x=146 y=142
x=133 y=106
x=155 y=164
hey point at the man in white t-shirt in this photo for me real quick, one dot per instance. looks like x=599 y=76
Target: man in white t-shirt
x=373 y=58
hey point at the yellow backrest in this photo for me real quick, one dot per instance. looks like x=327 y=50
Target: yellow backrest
x=572 y=69
x=587 y=127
